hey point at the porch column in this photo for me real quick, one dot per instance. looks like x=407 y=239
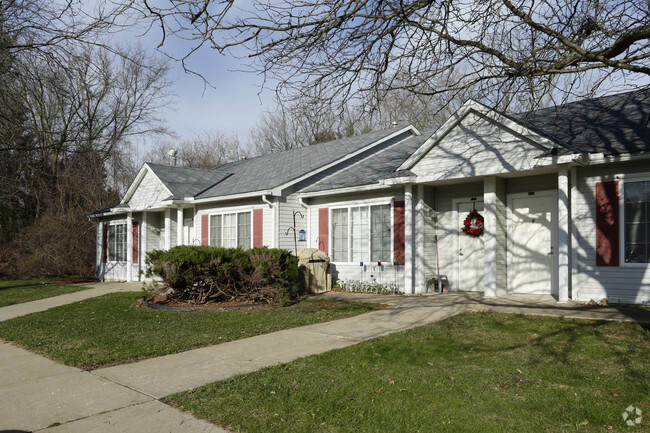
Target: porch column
x=563 y=269
x=408 y=239
x=573 y=257
x=144 y=226
x=489 y=236
x=129 y=246
x=168 y=228
x=419 y=242
x=179 y=225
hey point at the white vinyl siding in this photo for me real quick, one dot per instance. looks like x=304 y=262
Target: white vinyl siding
x=627 y=283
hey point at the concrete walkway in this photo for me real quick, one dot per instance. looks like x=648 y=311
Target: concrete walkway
x=37 y=394
x=96 y=289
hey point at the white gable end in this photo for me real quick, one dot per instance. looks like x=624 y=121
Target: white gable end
x=477 y=146
x=149 y=193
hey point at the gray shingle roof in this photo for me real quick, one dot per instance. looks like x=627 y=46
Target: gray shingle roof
x=371 y=170
x=275 y=169
x=186 y=182
x=612 y=124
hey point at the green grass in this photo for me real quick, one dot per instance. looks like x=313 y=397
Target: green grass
x=19 y=291
x=477 y=372
x=113 y=329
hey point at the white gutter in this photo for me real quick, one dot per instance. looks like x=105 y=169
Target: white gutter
x=346 y=190
x=302 y=203
x=232 y=197
x=267 y=201
x=275 y=223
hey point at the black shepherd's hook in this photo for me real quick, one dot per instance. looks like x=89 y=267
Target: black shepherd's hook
x=295 y=242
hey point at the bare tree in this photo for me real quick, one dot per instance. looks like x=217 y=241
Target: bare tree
x=67 y=156
x=507 y=51
x=206 y=150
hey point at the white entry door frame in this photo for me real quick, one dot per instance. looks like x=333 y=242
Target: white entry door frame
x=532 y=242
x=464 y=254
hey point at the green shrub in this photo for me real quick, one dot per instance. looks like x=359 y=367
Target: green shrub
x=201 y=274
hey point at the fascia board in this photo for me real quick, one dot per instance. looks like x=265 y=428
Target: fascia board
x=229 y=197
x=278 y=189
x=346 y=190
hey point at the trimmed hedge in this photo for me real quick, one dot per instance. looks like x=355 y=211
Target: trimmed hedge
x=201 y=274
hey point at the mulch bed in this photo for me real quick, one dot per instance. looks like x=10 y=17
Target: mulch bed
x=185 y=306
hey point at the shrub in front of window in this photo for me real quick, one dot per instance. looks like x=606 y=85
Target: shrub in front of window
x=202 y=274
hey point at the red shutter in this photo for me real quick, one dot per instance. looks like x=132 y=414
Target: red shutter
x=323 y=229
x=136 y=237
x=399 y=232
x=607 y=229
x=205 y=230
x=258 y=228
x=105 y=242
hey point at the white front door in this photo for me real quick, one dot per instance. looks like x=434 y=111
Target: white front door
x=531 y=248
x=188 y=231
x=471 y=266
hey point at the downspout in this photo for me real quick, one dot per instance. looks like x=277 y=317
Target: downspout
x=275 y=223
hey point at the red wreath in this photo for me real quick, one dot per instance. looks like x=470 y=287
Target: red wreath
x=474 y=230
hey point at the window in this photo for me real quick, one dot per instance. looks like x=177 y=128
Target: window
x=637 y=222
x=361 y=234
x=117 y=242
x=231 y=230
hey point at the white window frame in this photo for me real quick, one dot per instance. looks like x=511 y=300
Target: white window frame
x=390 y=202
x=231 y=212
x=116 y=223
x=623 y=179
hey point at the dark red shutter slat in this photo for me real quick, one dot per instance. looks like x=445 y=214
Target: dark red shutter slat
x=205 y=233
x=136 y=237
x=399 y=232
x=607 y=224
x=323 y=229
x=105 y=243
x=258 y=228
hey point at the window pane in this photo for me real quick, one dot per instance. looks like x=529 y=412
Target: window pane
x=120 y=243
x=117 y=242
x=380 y=233
x=215 y=231
x=244 y=230
x=359 y=234
x=340 y=235
x=637 y=225
x=111 y=243
x=230 y=230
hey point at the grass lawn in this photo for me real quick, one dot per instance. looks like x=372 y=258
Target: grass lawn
x=476 y=372
x=19 y=291
x=113 y=329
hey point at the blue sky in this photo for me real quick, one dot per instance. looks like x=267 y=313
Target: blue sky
x=231 y=104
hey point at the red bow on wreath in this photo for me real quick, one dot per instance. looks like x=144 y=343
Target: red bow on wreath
x=474 y=224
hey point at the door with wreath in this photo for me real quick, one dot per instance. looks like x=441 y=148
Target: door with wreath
x=471 y=266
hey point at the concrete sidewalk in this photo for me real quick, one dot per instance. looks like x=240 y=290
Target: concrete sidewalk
x=37 y=394
x=96 y=289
